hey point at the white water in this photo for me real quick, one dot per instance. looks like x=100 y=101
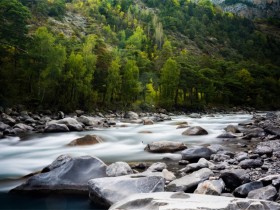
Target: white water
x=19 y=158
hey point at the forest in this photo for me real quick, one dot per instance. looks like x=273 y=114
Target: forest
x=144 y=54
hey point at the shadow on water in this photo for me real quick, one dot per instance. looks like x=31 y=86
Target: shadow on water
x=13 y=201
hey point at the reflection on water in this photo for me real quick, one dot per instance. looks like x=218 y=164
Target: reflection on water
x=18 y=158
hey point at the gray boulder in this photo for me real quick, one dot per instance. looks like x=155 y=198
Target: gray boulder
x=3 y=126
x=148 y=122
x=54 y=127
x=265 y=193
x=253 y=133
x=232 y=129
x=165 y=146
x=109 y=190
x=251 y=163
x=190 y=181
x=184 y=201
x=131 y=115
x=159 y=166
x=219 y=157
x=7 y=119
x=86 y=140
x=233 y=178
x=263 y=150
x=216 y=148
x=202 y=163
x=243 y=190
x=240 y=156
x=65 y=175
x=71 y=123
x=194 y=154
x=210 y=187
x=87 y=121
x=194 y=131
x=118 y=169
x=23 y=127
x=195 y=115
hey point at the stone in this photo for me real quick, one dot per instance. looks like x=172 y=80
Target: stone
x=233 y=178
x=194 y=154
x=243 y=190
x=232 y=129
x=3 y=126
x=195 y=115
x=253 y=133
x=265 y=193
x=87 y=121
x=71 y=123
x=165 y=146
x=23 y=127
x=182 y=126
x=168 y=175
x=79 y=112
x=219 y=157
x=251 y=163
x=86 y=140
x=269 y=179
x=185 y=201
x=246 y=123
x=202 y=163
x=213 y=187
x=109 y=190
x=159 y=166
x=226 y=136
x=53 y=128
x=216 y=148
x=183 y=162
x=148 y=122
x=7 y=119
x=65 y=175
x=262 y=150
x=1 y=135
x=131 y=115
x=118 y=169
x=240 y=156
x=272 y=129
x=190 y=181
x=195 y=130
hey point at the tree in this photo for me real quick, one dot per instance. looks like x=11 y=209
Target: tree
x=169 y=81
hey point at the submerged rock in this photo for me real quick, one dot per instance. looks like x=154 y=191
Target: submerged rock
x=165 y=146
x=184 y=201
x=86 y=140
x=66 y=175
x=109 y=190
x=196 y=130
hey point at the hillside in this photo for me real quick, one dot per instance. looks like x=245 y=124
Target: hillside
x=141 y=54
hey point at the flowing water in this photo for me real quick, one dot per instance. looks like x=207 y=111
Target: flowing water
x=125 y=142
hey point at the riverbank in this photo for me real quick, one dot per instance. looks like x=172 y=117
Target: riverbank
x=247 y=151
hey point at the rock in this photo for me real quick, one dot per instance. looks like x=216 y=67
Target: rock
x=184 y=201
x=240 y=156
x=109 y=190
x=148 y=122
x=219 y=157
x=3 y=126
x=243 y=190
x=233 y=178
x=253 y=133
x=7 y=119
x=265 y=193
x=1 y=135
x=60 y=115
x=23 y=127
x=86 y=140
x=53 y=128
x=232 y=129
x=272 y=129
x=165 y=146
x=246 y=123
x=87 y=121
x=168 y=175
x=79 y=112
x=216 y=148
x=251 y=163
x=213 y=187
x=118 y=169
x=226 y=136
x=71 y=123
x=194 y=154
x=220 y=166
x=195 y=115
x=66 y=174
x=183 y=162
x=131 y=115
x=159 y=166
x=269 y=179
x=202 y=163
x=261 y=150
x=59 y=161
x=182 y=126
x=193 y=131
x=190 y=181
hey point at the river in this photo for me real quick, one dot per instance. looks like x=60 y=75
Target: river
x=125 y=142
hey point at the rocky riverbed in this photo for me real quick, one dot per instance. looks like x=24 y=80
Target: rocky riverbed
x=211 y=176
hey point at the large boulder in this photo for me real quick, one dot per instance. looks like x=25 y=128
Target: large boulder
x=194 y=154
x=131 y=115
x=194 y=131
x=159 y=166
x=118 y=169
x=265 y=193
x=253 y=133
x=232 y=129
x=54 y=128
x=109 y=190
x=233 y=178
x=86 y=140
x=3 y=126
x=23 y=127
x=263 y=150
x=71 y=123
x=65 y=175
x=184 y=201
x=195 y=115
x=210 y=187
x=165 y=146
x=243 y=190
x=202 y=163
x=7 y=119
x=190 y=181
x=148 y=122
x=88 y=121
